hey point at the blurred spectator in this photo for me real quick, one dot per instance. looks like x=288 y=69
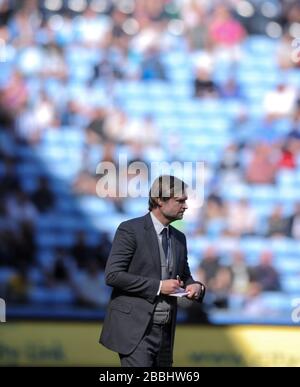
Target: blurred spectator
x=265 y=274
x=92 y=28
x=26 y=129
x=60 y=272
x=84 y=184
x=261 y=168
x=25 y=246
x=18 y=286
x=6 y=10
x=284 y=56
x=20 y=208
x=254 y=305
x=290 y=17
x=241 y=218
x=224 y=29
x=230 y=167
x=89 y=285
x=150 y=11
x=9 y=182
x=14 y=95
x=221 y=286
x=287 y=157
x=142 y=132
x=80 y=250
x=280 y=102
x=108 y=70
x=294 y=223
x=194 y=17
x=96 y=126
x=205 y=86
x=8 y=250
x=25 y=23
x=54 y=65
x=43 y=197
x=208 y=268
x=213 y=215
x=293 y=137
x=278 y=224
x=152 y=66
x=6 y=116
x=44 y=114
x=230 y=89
x=102 y=250
x=240 y=274
x=114 y=125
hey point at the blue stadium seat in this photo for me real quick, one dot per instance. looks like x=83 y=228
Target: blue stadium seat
x=287 y=193
x=81 y=72
x=29 y=183
x=293 y=77
x=57 y=295
x=61 y=221
x=94 y=205
x=260 y=46
x=65 y=204
x=54 y=239
x=162 y=106
x=74 y=136
x=131 y=90
x=248 y=78
x=108 y=223
x=236 y=192
x=63 y=170
x=286 y=264
x=276 y=301
x=6 y=273
x=158 y=89
x=291 y=283
x=286 y=178
x=175 y=59
x=180 y=74
x=25 y=170
x=196 y=245
x=263 y=193
x=285 y=246
x=181 y=90
x=137 y=106
x=253 y=246
x=136 y=207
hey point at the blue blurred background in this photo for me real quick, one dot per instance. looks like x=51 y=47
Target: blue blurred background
x=82 y=82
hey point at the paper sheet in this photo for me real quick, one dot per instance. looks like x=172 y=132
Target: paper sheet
x=179 y=293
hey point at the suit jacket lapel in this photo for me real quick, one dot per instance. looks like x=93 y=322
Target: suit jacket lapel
x=152 y=243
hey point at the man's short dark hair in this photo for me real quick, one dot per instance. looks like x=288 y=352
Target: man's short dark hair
x=165 y=187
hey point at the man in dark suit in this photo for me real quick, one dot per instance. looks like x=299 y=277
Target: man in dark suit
x=148 y=263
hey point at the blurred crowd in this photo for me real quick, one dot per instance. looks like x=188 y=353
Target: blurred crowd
x=70 y=65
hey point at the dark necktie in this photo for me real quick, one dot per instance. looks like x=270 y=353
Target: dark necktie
x=164 y=241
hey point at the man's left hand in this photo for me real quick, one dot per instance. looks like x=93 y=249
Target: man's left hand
x=194 y=291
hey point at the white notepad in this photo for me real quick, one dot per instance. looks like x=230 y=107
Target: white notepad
x=179 y=293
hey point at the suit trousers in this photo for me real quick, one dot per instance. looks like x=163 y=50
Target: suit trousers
x=154 y=350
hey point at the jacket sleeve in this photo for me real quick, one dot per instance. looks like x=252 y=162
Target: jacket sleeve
x=116 y=271
x=187 y=277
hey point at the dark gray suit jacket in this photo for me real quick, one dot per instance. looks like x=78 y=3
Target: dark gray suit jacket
x=133 y=269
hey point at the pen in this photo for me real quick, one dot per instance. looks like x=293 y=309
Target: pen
x=178 y=278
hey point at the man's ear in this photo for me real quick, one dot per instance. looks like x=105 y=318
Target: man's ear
x=159 y=202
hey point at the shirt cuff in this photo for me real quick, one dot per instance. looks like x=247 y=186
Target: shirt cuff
x=160 y=283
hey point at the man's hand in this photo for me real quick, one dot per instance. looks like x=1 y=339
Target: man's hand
x=169 y=286
x=194 y=291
